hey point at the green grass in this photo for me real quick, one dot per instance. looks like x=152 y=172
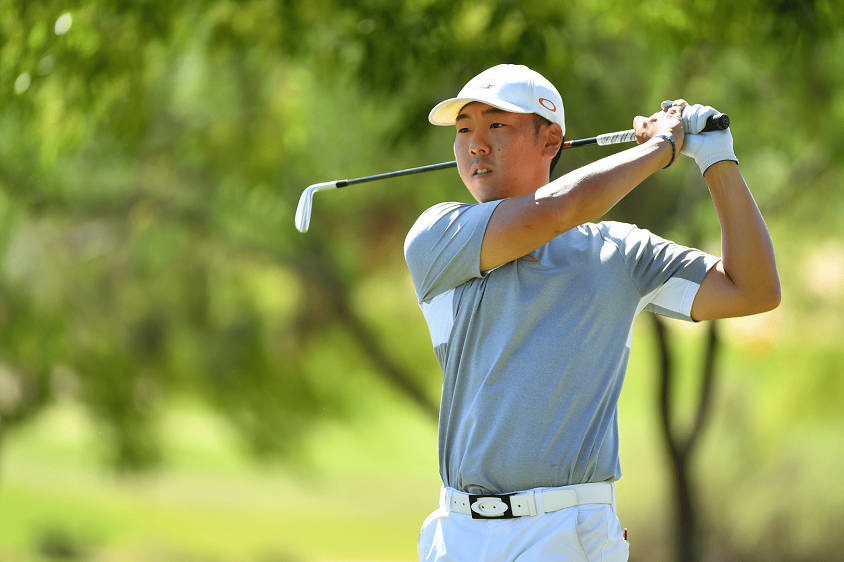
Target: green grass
x=347 y=501
x=214 y=520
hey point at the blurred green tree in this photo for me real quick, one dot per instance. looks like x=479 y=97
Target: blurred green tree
x=151 y=154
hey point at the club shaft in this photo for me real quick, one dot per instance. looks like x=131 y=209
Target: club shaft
x=408 y=171
x=609 y=138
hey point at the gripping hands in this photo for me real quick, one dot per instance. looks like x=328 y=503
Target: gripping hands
x=706 y=148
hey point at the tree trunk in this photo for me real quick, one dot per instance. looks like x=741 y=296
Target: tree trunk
x=687 y=545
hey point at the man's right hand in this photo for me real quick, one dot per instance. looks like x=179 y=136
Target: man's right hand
x=668 y=122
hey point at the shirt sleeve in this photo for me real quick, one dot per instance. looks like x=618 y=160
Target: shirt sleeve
x=667 y=275
x=443 y=248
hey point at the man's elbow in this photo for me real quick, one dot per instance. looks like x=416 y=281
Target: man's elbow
x=776 y=296
x=765 y=299
x=771 y=301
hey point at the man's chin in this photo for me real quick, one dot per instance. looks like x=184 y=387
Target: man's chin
x=486 y=192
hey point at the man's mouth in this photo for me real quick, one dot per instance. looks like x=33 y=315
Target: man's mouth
x=481 y=172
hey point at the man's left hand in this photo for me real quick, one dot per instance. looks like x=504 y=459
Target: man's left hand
x=706 y=148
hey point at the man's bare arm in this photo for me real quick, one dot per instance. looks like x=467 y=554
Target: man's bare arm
x=746 y=280
x=521 y=224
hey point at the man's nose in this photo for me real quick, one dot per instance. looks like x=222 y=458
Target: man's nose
x=478 y=145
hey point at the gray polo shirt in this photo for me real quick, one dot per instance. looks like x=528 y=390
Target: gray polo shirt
x=533 y=353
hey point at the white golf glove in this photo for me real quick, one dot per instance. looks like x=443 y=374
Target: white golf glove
x=706 y=148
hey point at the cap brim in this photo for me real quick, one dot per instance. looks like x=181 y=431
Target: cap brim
x=445 y=113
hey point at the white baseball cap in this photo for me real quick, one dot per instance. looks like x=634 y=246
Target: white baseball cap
x=511 y=87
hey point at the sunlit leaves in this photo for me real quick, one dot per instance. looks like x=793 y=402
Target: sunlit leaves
x=152 y=152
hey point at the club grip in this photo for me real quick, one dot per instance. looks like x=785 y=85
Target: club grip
x=717 y=122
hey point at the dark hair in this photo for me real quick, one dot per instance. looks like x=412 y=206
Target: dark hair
x=541 y=121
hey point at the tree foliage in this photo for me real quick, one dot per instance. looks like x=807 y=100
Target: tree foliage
x=151 y=156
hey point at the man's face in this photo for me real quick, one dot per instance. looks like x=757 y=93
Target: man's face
x=499 y=154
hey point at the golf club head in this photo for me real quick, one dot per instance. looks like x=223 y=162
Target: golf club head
x=306 y=203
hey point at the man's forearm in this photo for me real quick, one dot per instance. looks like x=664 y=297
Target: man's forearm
x=587 y=193
x=746 y=248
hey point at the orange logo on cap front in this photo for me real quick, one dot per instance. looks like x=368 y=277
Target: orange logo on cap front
x=547 y=104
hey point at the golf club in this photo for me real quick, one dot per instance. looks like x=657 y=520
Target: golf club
x=306 y=201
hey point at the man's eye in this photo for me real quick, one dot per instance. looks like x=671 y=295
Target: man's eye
x=463 y=130
x=496 y=125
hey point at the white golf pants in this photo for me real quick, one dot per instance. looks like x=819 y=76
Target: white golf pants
x=587 y=532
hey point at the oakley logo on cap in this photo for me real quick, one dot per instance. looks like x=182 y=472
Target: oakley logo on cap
x=547 y=104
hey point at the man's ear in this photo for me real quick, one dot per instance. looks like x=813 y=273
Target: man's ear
x=553 y=136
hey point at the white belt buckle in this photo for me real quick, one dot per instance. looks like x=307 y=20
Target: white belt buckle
x=487 y=507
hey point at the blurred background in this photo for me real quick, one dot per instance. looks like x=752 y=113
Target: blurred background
x=183 y=376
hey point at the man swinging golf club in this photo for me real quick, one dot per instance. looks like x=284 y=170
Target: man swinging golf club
x=530 y=307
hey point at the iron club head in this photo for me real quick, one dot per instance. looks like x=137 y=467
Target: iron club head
x=306 y=203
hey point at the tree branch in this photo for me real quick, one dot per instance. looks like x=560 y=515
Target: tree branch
x=706 y=386
x=666 y=376
x=322 y=277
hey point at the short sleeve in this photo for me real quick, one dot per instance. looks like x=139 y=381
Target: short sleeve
x=667 y=275
x=443 y=248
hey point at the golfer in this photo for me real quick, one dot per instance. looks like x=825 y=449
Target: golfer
x=530 y=307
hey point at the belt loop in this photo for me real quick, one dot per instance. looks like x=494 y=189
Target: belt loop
x=445 y=498
x=534 y=503
x=537 y=498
